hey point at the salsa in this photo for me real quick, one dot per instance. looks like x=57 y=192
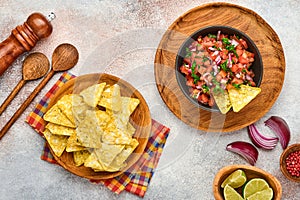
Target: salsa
x=214 y=63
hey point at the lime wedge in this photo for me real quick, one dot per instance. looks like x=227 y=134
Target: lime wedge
x=253 y=186
x=266 y=194
x=231 y=194
x=235 y=179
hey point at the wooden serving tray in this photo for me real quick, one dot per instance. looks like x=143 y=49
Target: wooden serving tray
x=140 y=119
x=237 y=17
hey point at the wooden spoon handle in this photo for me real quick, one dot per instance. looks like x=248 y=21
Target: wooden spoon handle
x=12 y=95
x=26 y=103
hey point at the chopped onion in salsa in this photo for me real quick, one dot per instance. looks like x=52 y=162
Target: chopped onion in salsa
x=215 y=63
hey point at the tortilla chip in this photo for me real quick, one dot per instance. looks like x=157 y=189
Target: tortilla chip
x=74 y=148
x=130 y=129
x=92 y=94
x=60 y=130
x=119 y=161
x=111 y=98
x=222 y=100
x=80 y=157
x=239 y=98
x=107 y=153
x=92 y=162
x=57 y=143
x=113 y=135
x=115 y=168
x=65 y=104
x=100 y=117
x=129 y=105
x=102 y=139
x=88 y=134
x=110 y=91
x=73 y=144
x=89 y=131
x=118 y=121
x=56 y=116
x=79 y=109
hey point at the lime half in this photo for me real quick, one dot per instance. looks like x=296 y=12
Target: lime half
x=235 y=179
x=231 y=194
x=266 y=194
x=253 y=186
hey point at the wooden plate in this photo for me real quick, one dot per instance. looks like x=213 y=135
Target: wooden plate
x=251 y=172
x=140 y=119
x=237 y=17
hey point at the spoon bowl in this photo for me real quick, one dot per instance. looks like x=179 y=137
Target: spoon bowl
x=64 y=57
x=35 y=66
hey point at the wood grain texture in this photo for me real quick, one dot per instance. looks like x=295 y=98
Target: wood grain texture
x=251 y=172
x=64 y=57
x=237 y=17
x=140 y=119
x=35 y=66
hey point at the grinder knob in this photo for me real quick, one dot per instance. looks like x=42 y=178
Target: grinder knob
x=23 y=38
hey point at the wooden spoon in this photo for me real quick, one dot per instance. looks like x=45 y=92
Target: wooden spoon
x=64 y=57
x=35 y=66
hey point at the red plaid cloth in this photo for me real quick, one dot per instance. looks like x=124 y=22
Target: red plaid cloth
x=134 y=180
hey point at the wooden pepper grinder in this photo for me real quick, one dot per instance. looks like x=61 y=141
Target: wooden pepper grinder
x=23 y=38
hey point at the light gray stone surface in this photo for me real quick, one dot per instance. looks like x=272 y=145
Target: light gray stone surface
x=120 y=37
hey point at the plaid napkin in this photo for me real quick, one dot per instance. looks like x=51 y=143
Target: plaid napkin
x=134 y=180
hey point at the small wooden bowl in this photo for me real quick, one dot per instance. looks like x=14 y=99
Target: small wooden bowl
x=251 y=172
x=140 y=119
x=284 y=155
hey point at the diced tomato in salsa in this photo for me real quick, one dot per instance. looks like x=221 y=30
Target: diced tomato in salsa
x=213 y=63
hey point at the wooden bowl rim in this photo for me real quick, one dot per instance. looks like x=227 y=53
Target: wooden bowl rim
x=232 y=168
x=145 y=130
x=166 y=83
x=285 y=153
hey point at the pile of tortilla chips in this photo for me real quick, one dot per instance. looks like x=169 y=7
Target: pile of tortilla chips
x=235 y=98
x=95 y=126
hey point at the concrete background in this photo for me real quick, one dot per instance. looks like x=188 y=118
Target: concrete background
x=120 y=37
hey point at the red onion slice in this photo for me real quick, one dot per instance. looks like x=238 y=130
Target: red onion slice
x=280 y=128
x=248 y=78
x=218 y=35
x=193 y=48
x=244 y=149
x=229 y=60
x=212 y=49
x=215 y=53
x=260 y=140
x=234 y=42
x=218 y=60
